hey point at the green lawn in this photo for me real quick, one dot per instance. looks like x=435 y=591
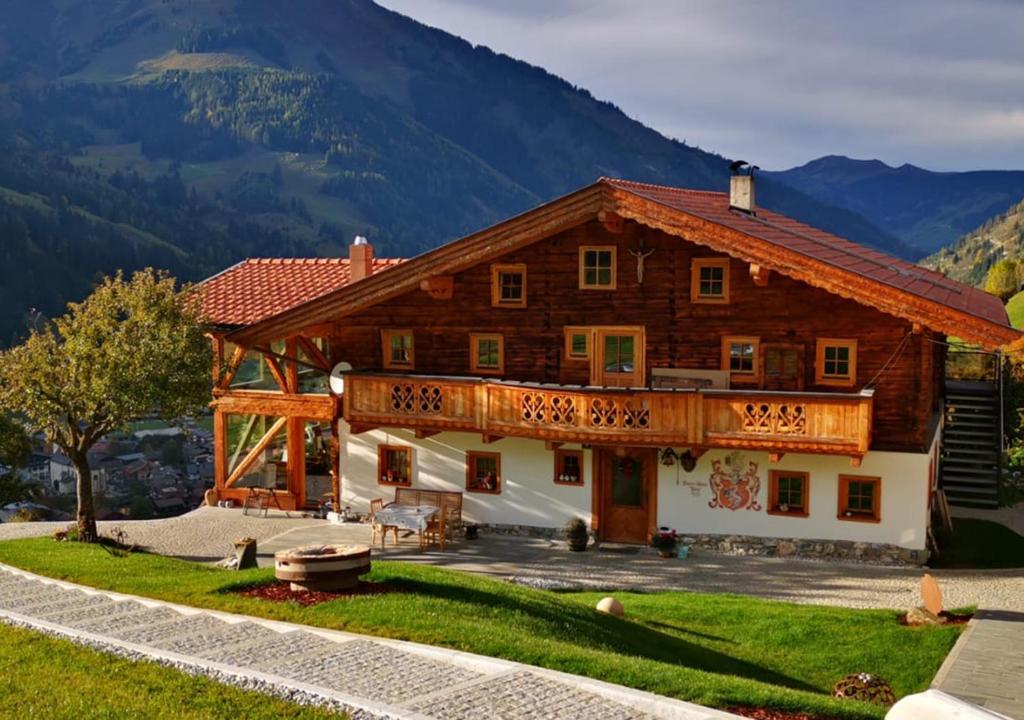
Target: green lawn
x=1015 y=309
x=980 y=544
x=717 y=650
x=42 y=677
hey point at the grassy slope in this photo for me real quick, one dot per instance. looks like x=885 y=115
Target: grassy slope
x=980 y=544
x=44 y=677
x=1015 y=309
x=716 y=650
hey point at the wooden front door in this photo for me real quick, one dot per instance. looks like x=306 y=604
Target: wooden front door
x=618 y=357
x=628 y=483
x=782 y=366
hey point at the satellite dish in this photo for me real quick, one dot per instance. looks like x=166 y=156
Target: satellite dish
x=337 y=381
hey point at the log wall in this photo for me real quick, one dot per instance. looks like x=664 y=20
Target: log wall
x=679 y=333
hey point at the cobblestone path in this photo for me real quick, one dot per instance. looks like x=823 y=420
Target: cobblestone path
x=367 y=677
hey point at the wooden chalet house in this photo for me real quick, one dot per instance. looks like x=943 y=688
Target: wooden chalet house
x=636 y=355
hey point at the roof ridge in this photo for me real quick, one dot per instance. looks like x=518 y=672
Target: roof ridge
x=636 y=183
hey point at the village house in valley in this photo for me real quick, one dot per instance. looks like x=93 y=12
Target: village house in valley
x=635 y=355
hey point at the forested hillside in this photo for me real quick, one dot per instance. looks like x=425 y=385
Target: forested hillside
x=188 y=134
x=970 y=258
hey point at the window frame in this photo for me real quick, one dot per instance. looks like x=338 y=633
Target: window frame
x=737 y=376
x=474 y=354
x=820 y=378
x=387 y=361
x=844 y=499
x=471 y=459
x=698 y=264
x=497 y=270
x=587 y=333
x=583 y=285
x=560 y=455
x=773 y=492
x=382 y=451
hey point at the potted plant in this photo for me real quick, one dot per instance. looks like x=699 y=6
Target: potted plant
x=666 y=542
x=576 y=534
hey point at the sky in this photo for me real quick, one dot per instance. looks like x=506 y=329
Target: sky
x=936 y=83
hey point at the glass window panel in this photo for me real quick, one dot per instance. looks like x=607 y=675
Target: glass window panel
x=627 y=483
x=578 y=344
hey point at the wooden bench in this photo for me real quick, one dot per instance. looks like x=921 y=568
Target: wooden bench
x=449 y=501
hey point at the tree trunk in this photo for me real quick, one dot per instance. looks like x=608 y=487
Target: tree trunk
x=86 y=506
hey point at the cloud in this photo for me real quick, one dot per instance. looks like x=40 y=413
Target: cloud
x=933 y=82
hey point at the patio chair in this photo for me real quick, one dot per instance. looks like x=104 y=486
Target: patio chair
x=376 y=505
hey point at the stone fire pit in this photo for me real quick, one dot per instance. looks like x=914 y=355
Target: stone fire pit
x=319 y=568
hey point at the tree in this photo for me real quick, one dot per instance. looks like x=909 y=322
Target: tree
x=1001 y=280
x=132 y=348
x=15 y=449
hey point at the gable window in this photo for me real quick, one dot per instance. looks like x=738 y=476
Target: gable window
x=508 y=286
x=740 y=356
x=787 y=493
x=487 y=353
x=577 y=343
x=394 y=465
x=597 y=267
x=568 y=467
x=836 y=362
x=709 y=280
x=398 y=351
x=483 y=472
x=860 y=498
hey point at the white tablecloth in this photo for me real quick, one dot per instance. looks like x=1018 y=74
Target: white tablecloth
x=407 y=517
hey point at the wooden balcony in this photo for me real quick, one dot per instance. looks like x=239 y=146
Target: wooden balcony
x=778 y=422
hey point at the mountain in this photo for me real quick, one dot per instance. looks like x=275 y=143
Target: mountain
x=190 y=133
x=972 y=255
x=925 y=209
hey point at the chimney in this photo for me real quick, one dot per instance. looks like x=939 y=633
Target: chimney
x=360 y=258
x=741 y=192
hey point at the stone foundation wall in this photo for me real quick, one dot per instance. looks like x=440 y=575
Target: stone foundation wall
x=873 y=553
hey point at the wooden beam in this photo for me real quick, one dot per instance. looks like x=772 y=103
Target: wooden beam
x=229 y=373
x=297 y=458
x=552 y=445
x=697 y=452
x=855 y=461
x=424 y=434
x=613 y=222
x=277 y=373
x=276 y=404
x=439 y=287
x=489 y=438
x=760 y=274
x=774 y=457
x=220 y=449
x=217 y=343
x=313 y=353
x=253 y=455
x=291 y=368
x=359 y=429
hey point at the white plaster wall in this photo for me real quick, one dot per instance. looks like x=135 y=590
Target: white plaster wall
x=528 y=495
x=683 y=499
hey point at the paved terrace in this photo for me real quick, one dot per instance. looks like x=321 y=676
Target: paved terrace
x=368 y=677
x=206 y=535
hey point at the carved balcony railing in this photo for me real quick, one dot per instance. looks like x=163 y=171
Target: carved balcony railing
x=837 y=423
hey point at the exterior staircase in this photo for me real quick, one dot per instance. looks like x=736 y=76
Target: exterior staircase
x=971 y=444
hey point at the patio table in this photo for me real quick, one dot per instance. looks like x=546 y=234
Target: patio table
x=407 y=517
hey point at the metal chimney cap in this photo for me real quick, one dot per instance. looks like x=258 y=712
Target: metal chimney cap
x=360 y=240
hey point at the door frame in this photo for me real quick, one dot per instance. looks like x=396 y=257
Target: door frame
x=601 y=461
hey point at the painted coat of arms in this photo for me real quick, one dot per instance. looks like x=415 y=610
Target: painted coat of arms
x=733 y=488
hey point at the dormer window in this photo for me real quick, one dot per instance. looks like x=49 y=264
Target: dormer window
x=709 y=280
x=508 y=286
x=597 y=267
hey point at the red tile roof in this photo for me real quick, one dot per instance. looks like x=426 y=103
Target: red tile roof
x=823 y=247
x=259 y=288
